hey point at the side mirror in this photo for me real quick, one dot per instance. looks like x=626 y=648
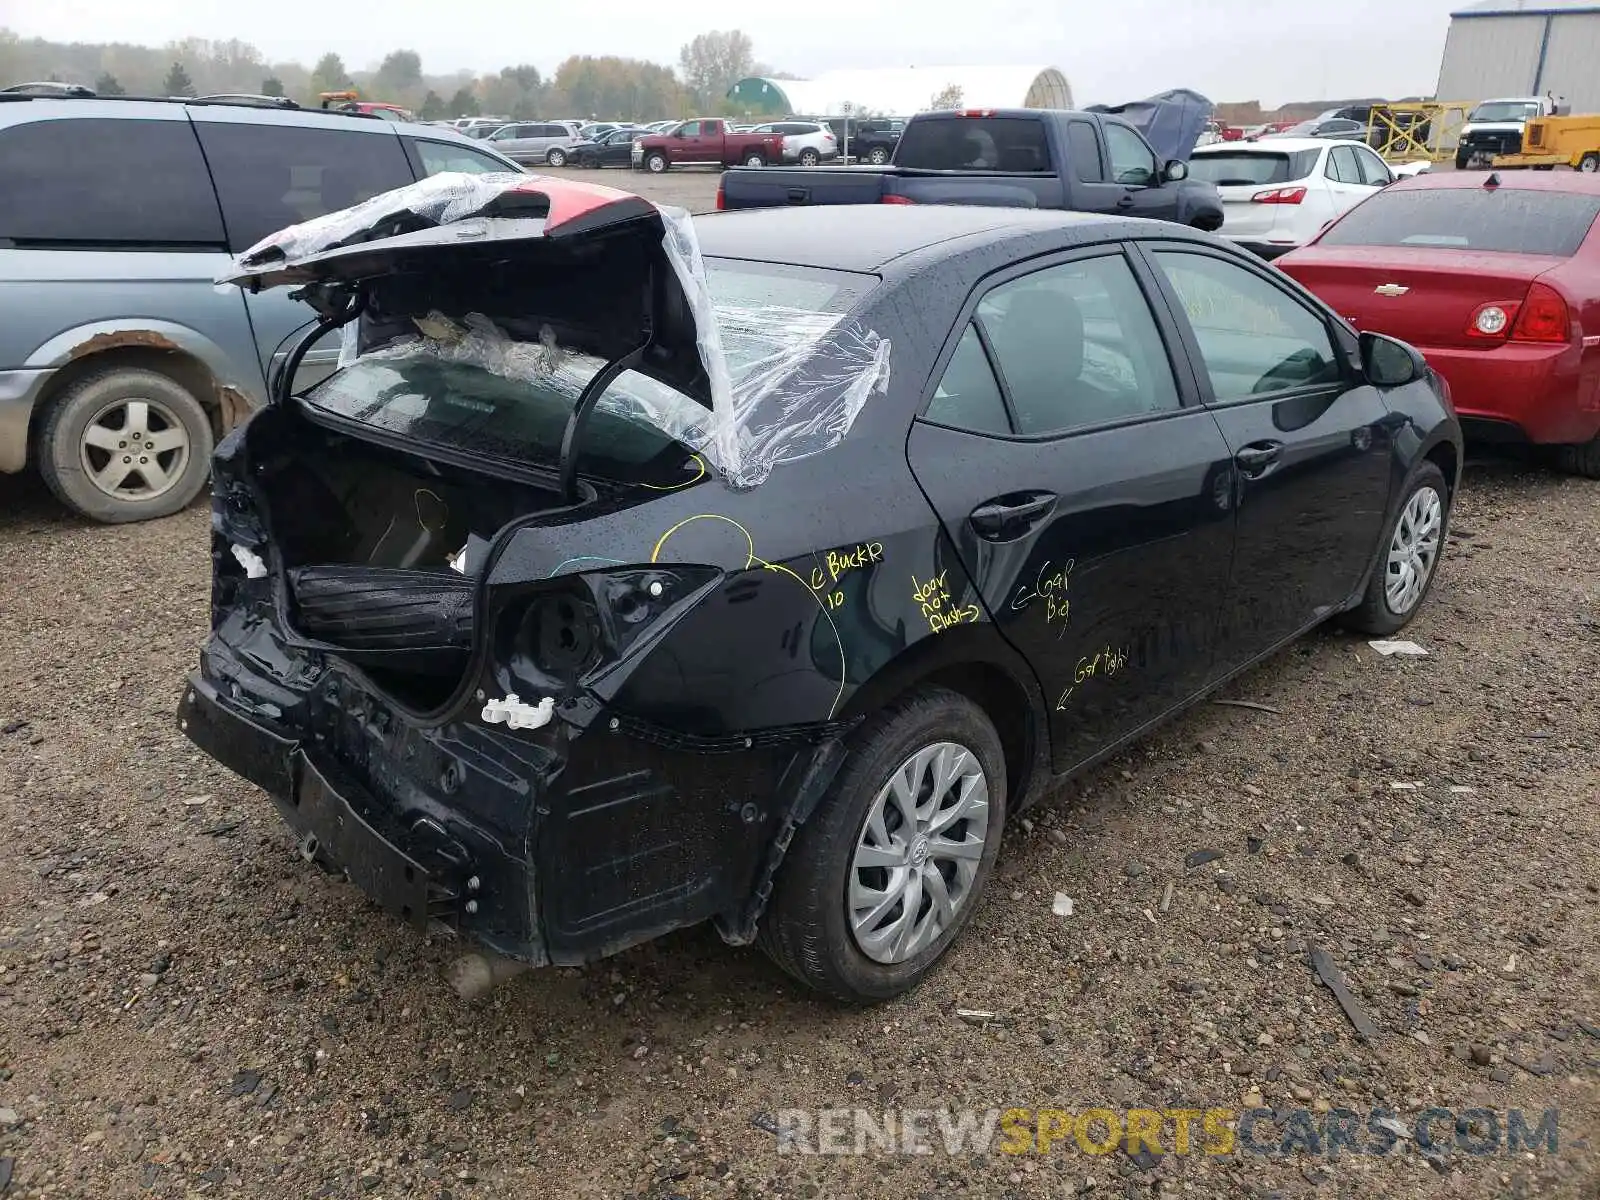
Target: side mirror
x=1388 y=362
x=1175 y=171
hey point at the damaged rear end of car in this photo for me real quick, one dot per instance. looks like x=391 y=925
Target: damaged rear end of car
x=447 y=621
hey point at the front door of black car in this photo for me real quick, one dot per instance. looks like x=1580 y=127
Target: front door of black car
x=1311 y=443
x=1087 y=500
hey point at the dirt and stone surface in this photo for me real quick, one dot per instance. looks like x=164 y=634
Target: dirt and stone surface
x=188 y=1009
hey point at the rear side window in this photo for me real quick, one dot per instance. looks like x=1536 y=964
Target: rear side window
x=1509 y=220
x=1015 y=144
x=444 y=156
x=272 y=176
x=1084 y=147
x=1239 y=168
x=108 y=182
x=1342 y=165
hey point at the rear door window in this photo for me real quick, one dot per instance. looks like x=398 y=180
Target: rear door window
x=1342 y=165
x=437 y=157
x=109 y=182
x=1014 y=144
x=272 y=176
x=1084 y=146
x=1508 y=220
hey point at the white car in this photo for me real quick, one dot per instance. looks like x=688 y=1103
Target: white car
x=1277 y=193
x=805 y=142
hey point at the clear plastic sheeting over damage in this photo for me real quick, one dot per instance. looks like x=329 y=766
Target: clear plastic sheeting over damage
x=785 y=383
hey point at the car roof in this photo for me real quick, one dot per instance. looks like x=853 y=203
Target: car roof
x=869 y=237
x=1277 y=145
x=17 y=110
x=1512 y=180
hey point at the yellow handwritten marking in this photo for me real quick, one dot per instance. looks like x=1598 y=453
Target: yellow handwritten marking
x=863 y=555
x=752 y=559
x=934 y=598
x=1105 y=663
x=672 y=487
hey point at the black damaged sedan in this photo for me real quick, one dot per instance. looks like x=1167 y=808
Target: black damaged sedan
x=632 y=573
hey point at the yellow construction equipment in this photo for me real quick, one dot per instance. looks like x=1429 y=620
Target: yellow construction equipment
x=1550 y=142
x=1408 y=132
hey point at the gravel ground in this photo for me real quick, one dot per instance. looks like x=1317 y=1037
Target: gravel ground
x=188 y=1009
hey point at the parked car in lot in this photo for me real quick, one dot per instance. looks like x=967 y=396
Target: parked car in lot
x=868 y=140
x=1343 y=128
x=1497 y=280
x=705 y=141
x=1495 y=127
x=1277 y=194
x=120 y=360
x=1031 y=158
x=808 y=143
x=614 y=149
x=547 y=142
x=569 y=651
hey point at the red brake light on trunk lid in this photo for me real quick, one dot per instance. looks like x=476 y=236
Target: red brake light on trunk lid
x=722 y=199
x=1288 y=195
x=1544 y=316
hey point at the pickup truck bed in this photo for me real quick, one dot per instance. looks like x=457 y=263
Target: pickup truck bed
x=1082 y=162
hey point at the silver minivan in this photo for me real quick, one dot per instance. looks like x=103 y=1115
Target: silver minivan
x=121 y=361
x=547 y=142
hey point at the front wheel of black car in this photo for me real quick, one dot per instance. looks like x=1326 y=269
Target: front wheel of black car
x=1408 y=558
x=877 y=156
x=879 y=882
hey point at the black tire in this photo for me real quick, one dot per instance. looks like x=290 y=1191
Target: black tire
x=805 y=930
x=755 y=159
x=1374 y=615
x=1582 y=459
x=656 y=162
x=1463 y=157
x=809 y=157
x=556 y=157
x=878 y=155
x=1589 y=163
x=62 y=453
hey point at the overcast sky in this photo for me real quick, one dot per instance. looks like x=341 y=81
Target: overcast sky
x=1110 y=50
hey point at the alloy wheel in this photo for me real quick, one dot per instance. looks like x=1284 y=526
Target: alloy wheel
x=917 y=857
x=134 y=449
x=1414 y=550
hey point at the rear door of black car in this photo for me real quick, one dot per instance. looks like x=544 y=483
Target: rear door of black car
x=1087 y=491
x=1312 y=441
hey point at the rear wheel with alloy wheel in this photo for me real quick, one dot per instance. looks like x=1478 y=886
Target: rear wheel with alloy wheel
x=880 y=881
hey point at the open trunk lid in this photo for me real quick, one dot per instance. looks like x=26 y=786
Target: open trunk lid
x=606 y=272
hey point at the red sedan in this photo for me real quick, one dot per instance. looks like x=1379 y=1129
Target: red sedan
x=1496 y=279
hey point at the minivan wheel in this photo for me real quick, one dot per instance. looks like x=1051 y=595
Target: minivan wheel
x=556 y=158
x=879 y=882
x=655 y=163
x=125 y=444
x=1408 y=558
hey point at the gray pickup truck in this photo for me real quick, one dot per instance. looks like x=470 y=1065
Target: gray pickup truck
x=121 y=361
x=1030 y=158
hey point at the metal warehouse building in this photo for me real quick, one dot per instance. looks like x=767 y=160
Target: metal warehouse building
x=1524 y=48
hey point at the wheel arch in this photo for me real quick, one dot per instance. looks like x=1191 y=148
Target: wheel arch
x=975 y=662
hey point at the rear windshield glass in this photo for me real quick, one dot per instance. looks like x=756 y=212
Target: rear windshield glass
x=465 y=406
x=1013 y=144
x=1240 y=167
x=1511 y=220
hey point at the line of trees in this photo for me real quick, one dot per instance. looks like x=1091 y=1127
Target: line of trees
x=581 y=86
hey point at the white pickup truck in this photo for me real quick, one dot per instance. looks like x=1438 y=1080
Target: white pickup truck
x=1495 y=127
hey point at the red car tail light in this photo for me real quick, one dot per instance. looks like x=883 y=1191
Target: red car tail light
x=722 y=199
x=896 y=200
x=1493 y=321
x=1288 y=195
x=1544 y=316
